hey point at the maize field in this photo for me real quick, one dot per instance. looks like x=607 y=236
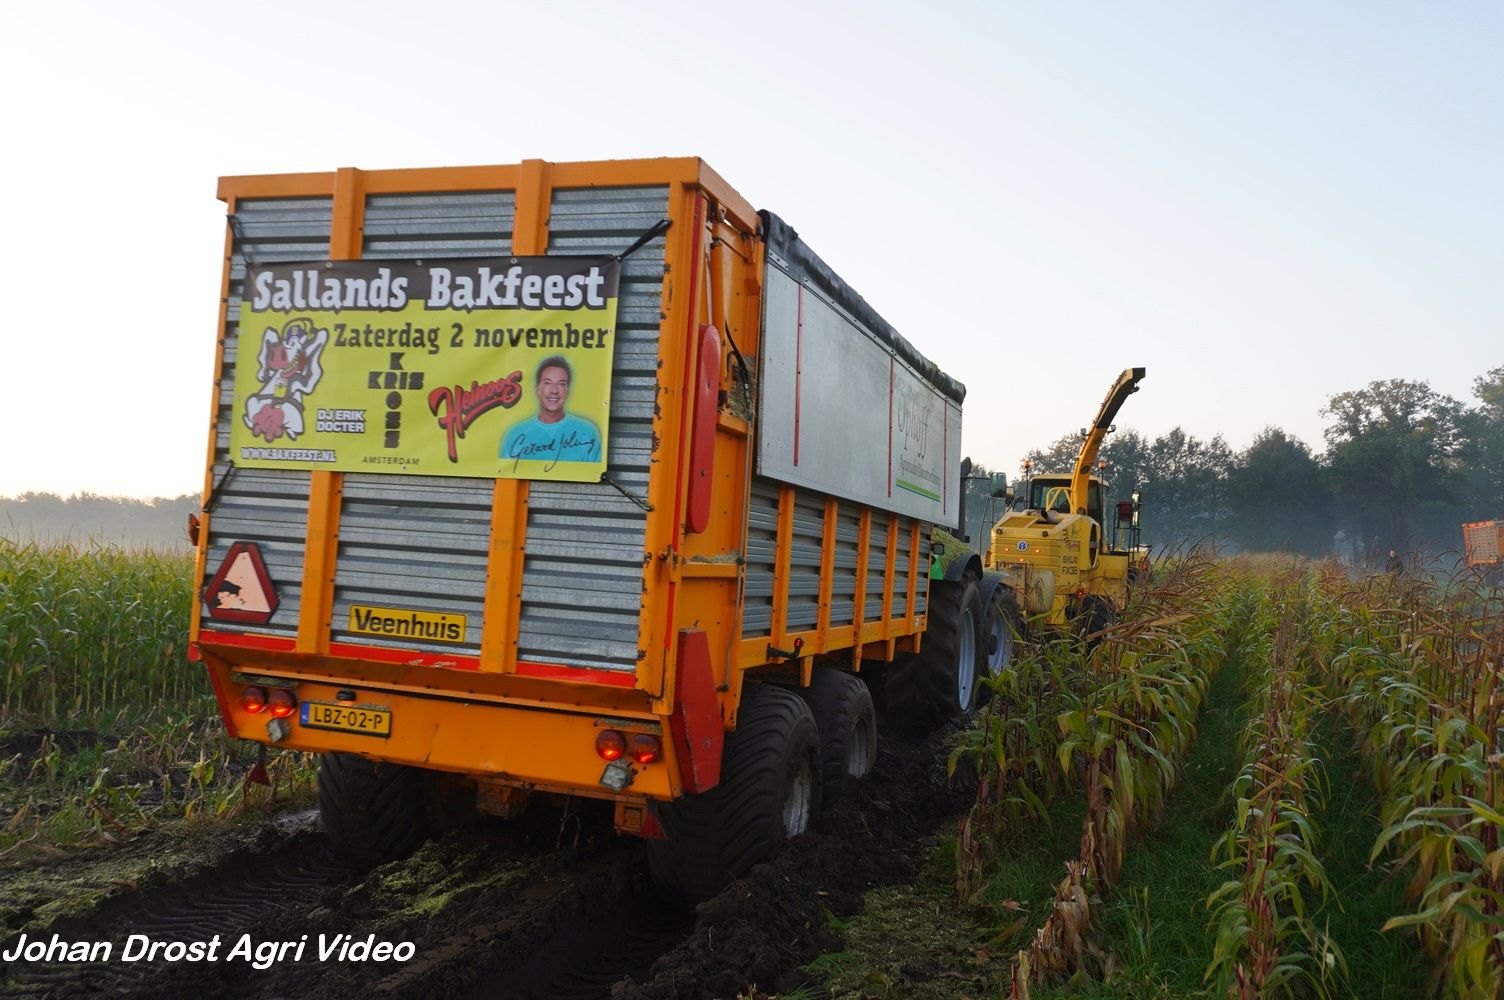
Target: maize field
x=1271 y=778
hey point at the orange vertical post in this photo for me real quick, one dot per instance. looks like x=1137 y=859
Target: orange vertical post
x=326 y=489
x=504 y=561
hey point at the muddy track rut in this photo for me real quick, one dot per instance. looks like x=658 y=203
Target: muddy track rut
x=551 y=905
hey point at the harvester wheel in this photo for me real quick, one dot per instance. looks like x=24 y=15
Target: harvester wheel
x=942 y=681
x=372 y=811
x=1095 y=617
x=769 y=793
x=844 y=715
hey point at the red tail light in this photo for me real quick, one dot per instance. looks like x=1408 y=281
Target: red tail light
x=253 y=699
x=610 y=744
x=645 y=749
x=282 y=702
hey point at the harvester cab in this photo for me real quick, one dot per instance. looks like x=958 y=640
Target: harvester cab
x=1055 y=552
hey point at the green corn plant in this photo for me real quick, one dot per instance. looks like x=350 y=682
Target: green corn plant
x=1418 y=677
x=1265 y=944
x=1122 y=736
x=93 y=638
x=87 y=633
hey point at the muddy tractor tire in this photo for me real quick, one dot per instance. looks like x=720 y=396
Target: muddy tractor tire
x=769 y=793
x=1002 y=630
x=847 y=723
x=942 y=681
x=1002 y=626
x=371 y=811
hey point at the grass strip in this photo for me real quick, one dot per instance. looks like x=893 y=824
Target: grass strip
x=1383 y=966
x=1155 y=920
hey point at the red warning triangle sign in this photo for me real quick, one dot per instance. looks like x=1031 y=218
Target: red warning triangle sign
x=242 y=590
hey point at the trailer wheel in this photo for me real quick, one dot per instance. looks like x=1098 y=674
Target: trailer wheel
x=941 y=682
x=769 y=793
x=371 y=811
x=847 y=723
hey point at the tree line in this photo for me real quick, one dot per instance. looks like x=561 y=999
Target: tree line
x=84 y=518
x=1404 y=466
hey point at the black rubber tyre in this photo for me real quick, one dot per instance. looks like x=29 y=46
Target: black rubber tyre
x=769 y=792
x=941 y=682
x=847 y=722
x=371 y=811
x=1095 y=616
x=1003 y=629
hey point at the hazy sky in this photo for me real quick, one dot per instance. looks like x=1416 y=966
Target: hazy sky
x=1262 y=203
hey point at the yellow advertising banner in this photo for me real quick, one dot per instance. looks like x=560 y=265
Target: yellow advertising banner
x=483 y=367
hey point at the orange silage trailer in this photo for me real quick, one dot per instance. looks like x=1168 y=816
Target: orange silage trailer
x=1483 y=543
x=569 y=478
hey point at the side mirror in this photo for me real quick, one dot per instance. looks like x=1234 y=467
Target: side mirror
x=998 y=487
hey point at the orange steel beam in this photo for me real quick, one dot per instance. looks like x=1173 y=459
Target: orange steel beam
x=669 y=604
x=276 y=186
x=325 y=489
x=595 y=173
x=509 y=497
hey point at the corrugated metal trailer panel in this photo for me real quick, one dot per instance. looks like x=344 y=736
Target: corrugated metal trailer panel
x=804 y=562
x=843 y=586
x=582 y=572
x=901 y=570
x=872 y=608
x=595 y=563
x=420 y=542
x=801 y=587
x=762 y=549
x=269 y=508
x=413 y=542
x=439 y=224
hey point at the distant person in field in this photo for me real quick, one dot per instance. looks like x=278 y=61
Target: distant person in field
x=552 y=435
x=1396 y=565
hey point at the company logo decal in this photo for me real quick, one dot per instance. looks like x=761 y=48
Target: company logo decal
x=406 y=623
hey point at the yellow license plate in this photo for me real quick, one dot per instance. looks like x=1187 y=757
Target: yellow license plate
x=347 y=718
